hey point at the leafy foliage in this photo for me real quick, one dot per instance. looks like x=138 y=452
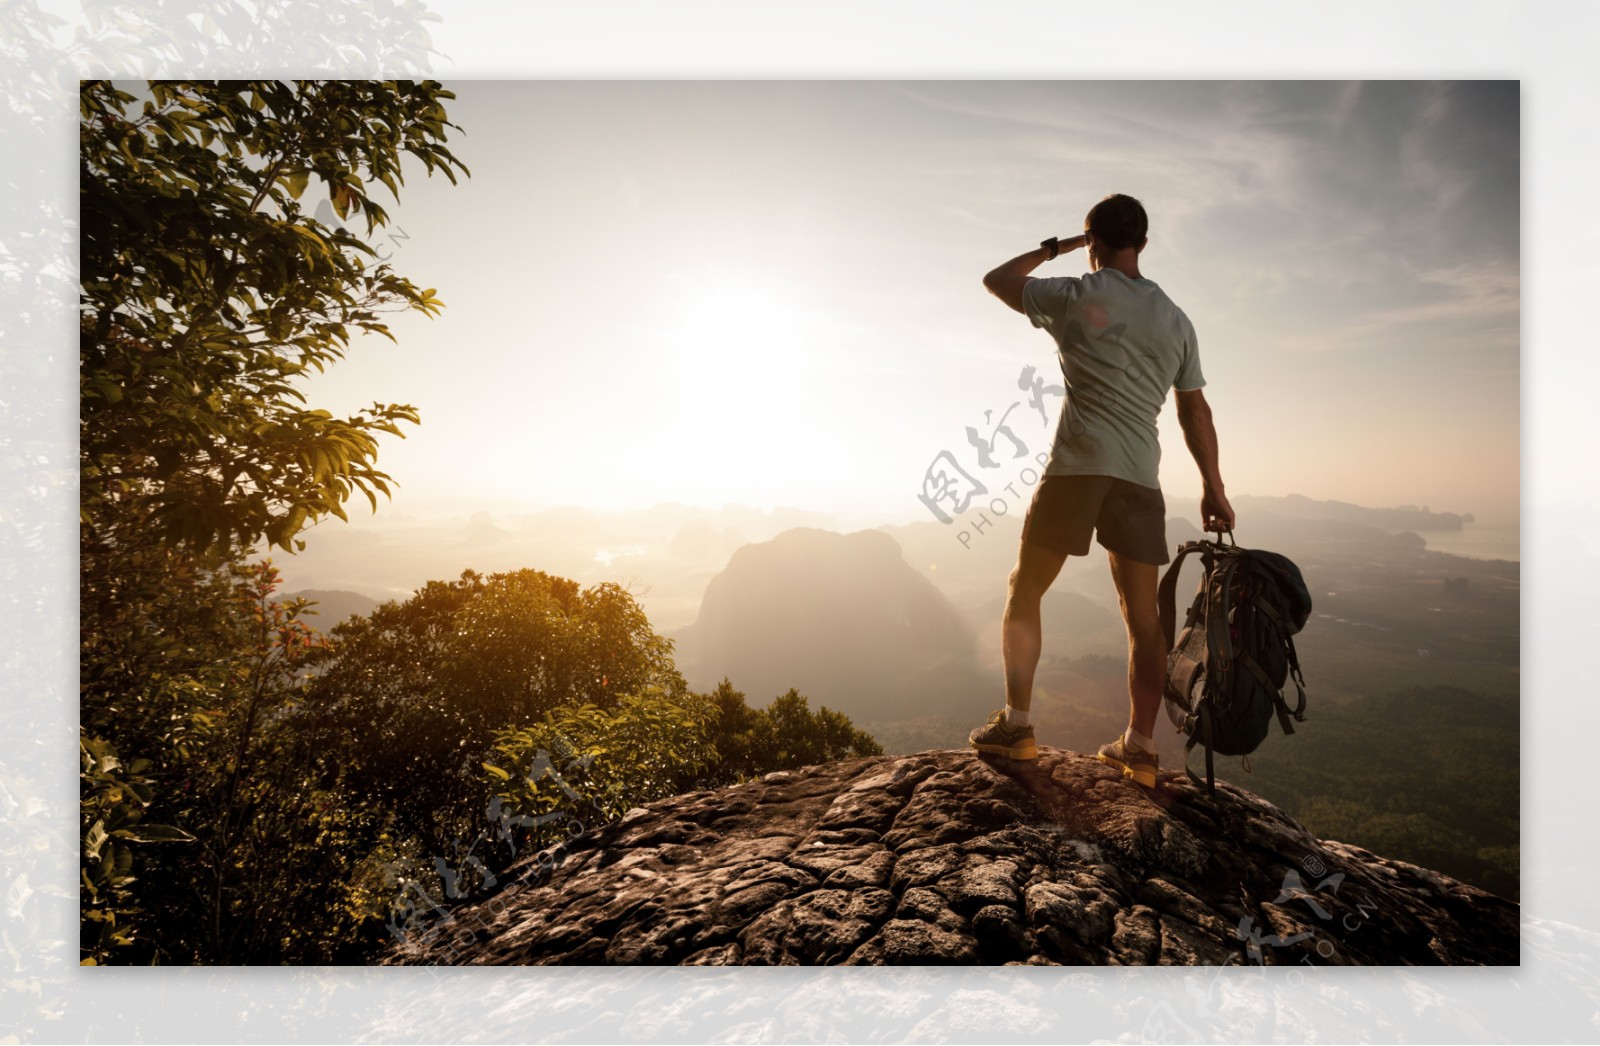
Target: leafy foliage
x=206 y=295
x=260 y=832
x=207 y=292
x=407 y=708
x=786 y=734
x=113 y=801
x=586 y=766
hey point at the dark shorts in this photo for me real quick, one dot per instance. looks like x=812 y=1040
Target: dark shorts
x=1127 y=518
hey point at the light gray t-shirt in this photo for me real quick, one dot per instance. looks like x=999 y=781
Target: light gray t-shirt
x=1122 y=344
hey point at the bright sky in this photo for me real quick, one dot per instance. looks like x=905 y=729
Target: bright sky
x=769 y=292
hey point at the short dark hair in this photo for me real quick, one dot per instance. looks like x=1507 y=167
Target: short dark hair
x=1118 y=221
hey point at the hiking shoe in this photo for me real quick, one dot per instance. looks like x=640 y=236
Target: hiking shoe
x=1001 y=738
x=1134 y=762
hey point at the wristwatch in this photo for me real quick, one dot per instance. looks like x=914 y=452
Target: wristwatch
x=1054 y=243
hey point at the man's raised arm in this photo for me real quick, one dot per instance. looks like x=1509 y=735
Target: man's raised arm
x=1194 y=417
x=1006 y=281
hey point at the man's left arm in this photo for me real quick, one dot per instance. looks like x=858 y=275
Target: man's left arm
x=1006 y=281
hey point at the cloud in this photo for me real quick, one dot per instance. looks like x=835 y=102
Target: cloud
x=1440 y=184
x=1344 y=105
x=1487 y=295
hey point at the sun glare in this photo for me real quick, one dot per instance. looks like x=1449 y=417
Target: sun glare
x=737 y=366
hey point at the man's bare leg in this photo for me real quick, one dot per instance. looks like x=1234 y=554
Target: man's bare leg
x=1147 y=648
x=1020 y=637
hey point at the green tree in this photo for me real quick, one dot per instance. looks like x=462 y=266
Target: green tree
x=407 y=707
x=792 y=735
x=494 y=715
x=114 y=800
x=581 y=767
x=271 y=863
x=587 y=766
x=227 y=779
x=784 y=735
x=207 y=294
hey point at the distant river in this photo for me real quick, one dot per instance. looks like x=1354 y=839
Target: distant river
x=1482 y=539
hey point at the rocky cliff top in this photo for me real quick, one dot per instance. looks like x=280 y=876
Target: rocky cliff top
x=949 y=857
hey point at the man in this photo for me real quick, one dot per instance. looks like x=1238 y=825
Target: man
x=1122 y=344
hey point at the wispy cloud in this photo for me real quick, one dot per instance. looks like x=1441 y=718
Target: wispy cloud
x=1476 y=293
x=1438 y=182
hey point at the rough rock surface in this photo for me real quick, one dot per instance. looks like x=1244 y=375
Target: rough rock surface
x=949 y=857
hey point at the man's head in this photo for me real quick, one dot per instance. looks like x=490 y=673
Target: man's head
x=1115 y=224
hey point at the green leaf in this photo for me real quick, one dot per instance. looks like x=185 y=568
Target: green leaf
x=342 y=198
x=154 y=833
x=293 y=522
x=94 y=839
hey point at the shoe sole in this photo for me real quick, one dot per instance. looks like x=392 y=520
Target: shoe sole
x=1027 y=750
x=1143 y=777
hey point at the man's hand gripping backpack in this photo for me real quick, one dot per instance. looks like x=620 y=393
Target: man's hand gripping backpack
x=1228 y=667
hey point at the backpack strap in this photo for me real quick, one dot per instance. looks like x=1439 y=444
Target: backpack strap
x=1299 y=680
x=1166 y=595
x=1276 y=618
x=1299 y=711
x=1222 y=637
x=1282 y=708
x=1200 y=732
x=1278 y=703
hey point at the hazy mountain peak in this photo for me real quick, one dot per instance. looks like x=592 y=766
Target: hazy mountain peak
x=841 y=617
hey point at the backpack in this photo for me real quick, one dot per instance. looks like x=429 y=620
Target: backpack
x=1228 y=667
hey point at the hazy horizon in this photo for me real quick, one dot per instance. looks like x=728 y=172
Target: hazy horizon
x=402 y=506
x=667 y=553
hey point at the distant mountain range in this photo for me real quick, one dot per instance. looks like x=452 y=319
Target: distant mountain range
x=1403 y=517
